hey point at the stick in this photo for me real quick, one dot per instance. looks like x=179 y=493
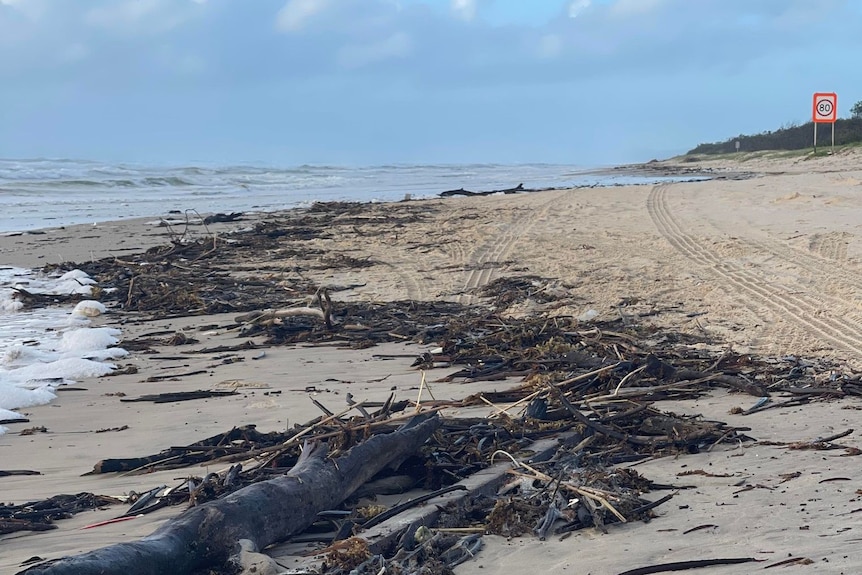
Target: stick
x=604 y=429
x=627 y=377
x=684 y=565
x=537 y=473
x=587 y=375
x=829 y=438
x=421 y=387
x=393 y=511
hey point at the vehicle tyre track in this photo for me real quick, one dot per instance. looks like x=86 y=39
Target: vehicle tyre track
x=499 y=246
x=830 y=248
x=821 y=265
x=823 y=270
x=414 y=268
x=803 y=310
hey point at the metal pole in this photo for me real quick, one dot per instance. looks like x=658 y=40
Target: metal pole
x=815 y=137
x=833 y=137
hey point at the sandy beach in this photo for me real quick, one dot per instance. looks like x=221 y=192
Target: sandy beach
x=768 y=265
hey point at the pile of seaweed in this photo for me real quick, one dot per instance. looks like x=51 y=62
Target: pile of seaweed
x=258 y=267
x=598 y=386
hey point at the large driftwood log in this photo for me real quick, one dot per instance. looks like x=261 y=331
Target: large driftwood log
x=262 y=513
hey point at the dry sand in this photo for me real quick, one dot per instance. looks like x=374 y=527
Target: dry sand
x=770 y=265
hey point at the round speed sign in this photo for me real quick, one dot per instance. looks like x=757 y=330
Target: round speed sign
x=825 y=107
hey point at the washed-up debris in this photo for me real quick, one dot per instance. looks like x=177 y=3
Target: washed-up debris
x=462 y=192
x=205 y=274
x=577 y=489
x=11 y=472
x=174 y=396
x=36 y=300
x=236 y=440
x=222 y=218
x=14 y=420
x=40 y=515
x=207 y=535
x=686 y=565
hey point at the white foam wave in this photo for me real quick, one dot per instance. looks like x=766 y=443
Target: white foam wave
x=88 y=339
x=67 y=369
x=45 y=348
x=89 y=308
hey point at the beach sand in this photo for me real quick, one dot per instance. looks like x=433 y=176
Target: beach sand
x=769 y=265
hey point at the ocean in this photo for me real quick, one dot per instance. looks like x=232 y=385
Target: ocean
x=43 y=349
x=51 y=193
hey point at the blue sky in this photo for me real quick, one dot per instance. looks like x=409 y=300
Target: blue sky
x=355 y=82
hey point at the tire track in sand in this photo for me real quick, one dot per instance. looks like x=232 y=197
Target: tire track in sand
x=413 y=269
x=800 y=309
x=829 y=247
x=821 y=269
x=499 y=246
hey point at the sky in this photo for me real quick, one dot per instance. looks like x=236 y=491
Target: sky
x=362 y=82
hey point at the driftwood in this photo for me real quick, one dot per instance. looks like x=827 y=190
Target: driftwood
x=259 y=515
x=8 y=472
x=685 y=565
x=173 y=396
x=268 y=317
x=222 y=218
x=265 y=316
x=14 y=420
x=463 y=192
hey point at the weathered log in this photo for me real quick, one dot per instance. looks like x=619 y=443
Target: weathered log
x=262 y=513
x=222 y=218
x=463 y=192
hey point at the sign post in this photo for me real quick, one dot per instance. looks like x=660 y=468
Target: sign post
x=825 y=111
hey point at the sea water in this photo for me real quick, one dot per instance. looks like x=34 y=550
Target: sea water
x=42 y=349
x=51 y=193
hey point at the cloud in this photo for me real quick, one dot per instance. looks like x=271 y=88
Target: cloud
x=201 y=67
x=296 y=13
x=419 y=44
x=576 y=7
x=464 y=9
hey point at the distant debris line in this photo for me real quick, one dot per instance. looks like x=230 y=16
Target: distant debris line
x=463 y=192
x=847 y=131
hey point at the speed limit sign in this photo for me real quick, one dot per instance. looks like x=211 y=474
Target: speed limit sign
x=825 y=107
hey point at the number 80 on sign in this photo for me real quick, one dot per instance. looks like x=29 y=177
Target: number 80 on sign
x=825 y=108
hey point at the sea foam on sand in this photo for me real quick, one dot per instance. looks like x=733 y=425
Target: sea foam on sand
x=45 y=348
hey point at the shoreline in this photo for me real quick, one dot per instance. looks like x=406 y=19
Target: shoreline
x=775 y=278
x=35 y=248
x=264 y=205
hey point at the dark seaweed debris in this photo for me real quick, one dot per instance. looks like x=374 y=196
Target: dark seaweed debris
x=258 y=267
x=40 y=515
